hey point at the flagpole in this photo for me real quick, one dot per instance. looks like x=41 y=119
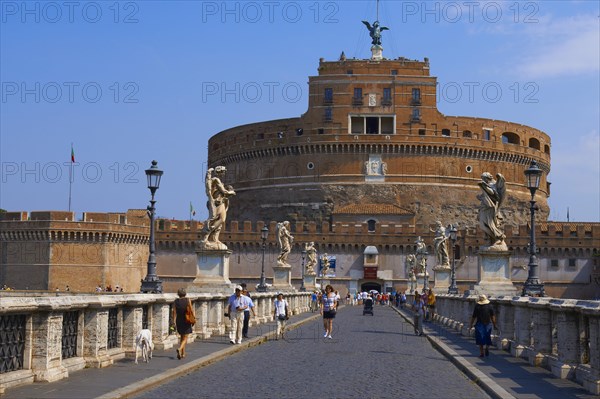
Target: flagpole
x=70 y=177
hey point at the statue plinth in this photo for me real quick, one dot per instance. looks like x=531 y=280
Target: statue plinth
x=494 y=272
x=310 y=282
x=441 y=278
x=212 y=271
x=376 y=52
x=282 y=278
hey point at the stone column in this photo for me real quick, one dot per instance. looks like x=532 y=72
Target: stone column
x=47 y=347
x=505 y=319
x=563 y=362
x=541 y=331
x=522 y=327
x=202 y=329
x=95 y=347
x=160 y=324
x=588 y=373
x=132 y=324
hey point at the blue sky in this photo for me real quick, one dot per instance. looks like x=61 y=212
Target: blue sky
x=132 y=81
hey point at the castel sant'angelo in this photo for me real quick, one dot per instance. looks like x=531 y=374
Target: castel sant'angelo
x=368 y=170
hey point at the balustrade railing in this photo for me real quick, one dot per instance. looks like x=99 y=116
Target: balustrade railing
x=43 y=338
x=561 y=335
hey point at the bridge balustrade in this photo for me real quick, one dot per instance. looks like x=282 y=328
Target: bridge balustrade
x=43 y=338
x=560 y=335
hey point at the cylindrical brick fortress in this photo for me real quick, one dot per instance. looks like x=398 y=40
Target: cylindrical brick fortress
x=372 y=135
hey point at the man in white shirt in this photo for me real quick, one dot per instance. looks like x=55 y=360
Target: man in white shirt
x=238 y=303
x=280 y=313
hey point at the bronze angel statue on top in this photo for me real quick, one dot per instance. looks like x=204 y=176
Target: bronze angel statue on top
x=375 y=32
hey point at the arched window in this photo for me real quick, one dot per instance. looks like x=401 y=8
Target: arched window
x=446 y=132
x=510 y=138
x=371 y=225
x=534 y=143
x=547 y=149
x=467 y=134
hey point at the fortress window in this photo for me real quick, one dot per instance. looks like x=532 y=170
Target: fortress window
x=279 y=135
x=394 y=72
x=371 y=225
x=421 y=132
x=416 y=115
x=328 y=115
x=387 y=96
x=446 y=132
x=547 y=149
x=328 y=96
x=299 y=131
x=260 y=136
x=349 y=72
x=357 y=98
x=320 y=131
x=416 y=96
x=510 y=138
x=534 y=143
x=572 y=262
x=487 y=134
x=467 y=133
x=372 y=125
x=553 y=262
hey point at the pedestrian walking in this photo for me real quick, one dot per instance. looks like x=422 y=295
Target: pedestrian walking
x=431 y=304
x=281 y=314
x=328 y=310
x=238 y=303
x=313 y=302
x=484 y=319
x=184 y=328
x=402 y=300
x=419 y=313
x=245 y=292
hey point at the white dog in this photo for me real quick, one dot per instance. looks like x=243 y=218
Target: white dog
x=143 y=342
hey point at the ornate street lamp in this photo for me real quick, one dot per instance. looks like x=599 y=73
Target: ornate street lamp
x=151 y=283
x=264 y=233
x=302 y=287
x=425 y=279
x=533 y=286
x=453 y=289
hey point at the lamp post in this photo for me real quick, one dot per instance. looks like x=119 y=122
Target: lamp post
x=264 y=233
x=151 y=283
x=453 y=289
x=302 y=287
x=533 y=286
x=425 y=279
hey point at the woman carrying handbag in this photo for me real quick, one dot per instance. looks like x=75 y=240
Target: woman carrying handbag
x=184 y=319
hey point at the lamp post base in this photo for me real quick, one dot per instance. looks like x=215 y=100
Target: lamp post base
x=152 y=286
x=534 y=288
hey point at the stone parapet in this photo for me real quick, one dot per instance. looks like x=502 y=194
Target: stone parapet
x=561 y=335
x=52 y=336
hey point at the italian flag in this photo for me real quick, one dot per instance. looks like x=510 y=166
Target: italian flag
x=192 y=211
x=72 y=154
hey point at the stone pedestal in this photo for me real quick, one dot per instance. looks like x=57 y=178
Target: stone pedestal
x=282 y=278
x=376 y=53
x=212 y=272
x=441 y=278
x=310 y=282
x=494 y=274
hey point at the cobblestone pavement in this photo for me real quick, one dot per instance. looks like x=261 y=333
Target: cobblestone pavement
x=369 y=357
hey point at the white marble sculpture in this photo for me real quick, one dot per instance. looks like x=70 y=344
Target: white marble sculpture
x=440 y=245
x=217 y=204
x=325 y=264
x=311 y=258
x=284 y=239
x=490 y=219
